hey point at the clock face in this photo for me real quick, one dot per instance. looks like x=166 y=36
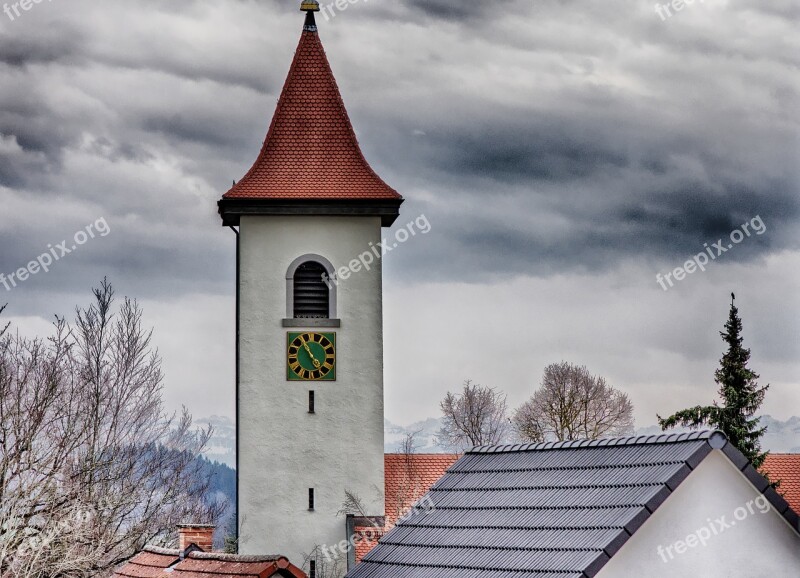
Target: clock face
x=311 y=357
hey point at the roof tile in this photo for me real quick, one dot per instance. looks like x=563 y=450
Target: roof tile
x=163 y=563
x=311 y=151
x=544 y=510
x=785 y=468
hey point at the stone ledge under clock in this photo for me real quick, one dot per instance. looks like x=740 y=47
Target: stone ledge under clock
x=312 y=323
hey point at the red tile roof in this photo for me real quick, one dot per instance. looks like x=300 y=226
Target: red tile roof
x=311 y=151
x=365 y=540
x=408 y=477
x=154 y=562
x=150 y=563
x=786 y=469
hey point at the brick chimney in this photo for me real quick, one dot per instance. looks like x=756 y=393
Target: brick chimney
x=201 y=535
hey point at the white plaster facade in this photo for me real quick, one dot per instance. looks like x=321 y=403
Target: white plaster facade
x=284 y=450
x=761 y=545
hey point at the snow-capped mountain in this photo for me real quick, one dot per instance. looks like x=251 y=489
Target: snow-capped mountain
x=222 y=445
x=781 y=436
x=424 y=436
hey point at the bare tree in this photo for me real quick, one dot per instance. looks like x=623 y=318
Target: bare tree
x=353 y=505
x=475 y=417
x=332 y=560
x=573 y=404
x=409 y=487
x=90 y=464
x=408 y=447
x=327 y=563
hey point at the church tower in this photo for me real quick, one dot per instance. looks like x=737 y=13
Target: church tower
x=309 y=318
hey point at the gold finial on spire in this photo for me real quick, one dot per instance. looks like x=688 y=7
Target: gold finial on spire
x=309 y=7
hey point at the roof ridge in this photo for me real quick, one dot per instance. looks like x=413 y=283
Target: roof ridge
x=161 y=551
x=593 y=486
x=599 y=443
x=220 y=556
x=431 y=454
x=570 y=468
x=224 y=557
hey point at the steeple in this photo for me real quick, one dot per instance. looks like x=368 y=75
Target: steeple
x=309 y=351
x=311 y=151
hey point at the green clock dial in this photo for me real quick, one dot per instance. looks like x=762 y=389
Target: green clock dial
x=311 y=357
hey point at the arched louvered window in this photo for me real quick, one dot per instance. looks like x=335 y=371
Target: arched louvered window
x=311 y=292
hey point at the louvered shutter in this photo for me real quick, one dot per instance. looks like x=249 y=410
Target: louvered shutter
x=311 y=294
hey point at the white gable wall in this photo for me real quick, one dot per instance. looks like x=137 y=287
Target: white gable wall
x=761 y=545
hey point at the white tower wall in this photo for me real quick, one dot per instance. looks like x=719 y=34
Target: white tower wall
x=284 y=450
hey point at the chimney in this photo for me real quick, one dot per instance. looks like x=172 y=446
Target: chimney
x=201 y=535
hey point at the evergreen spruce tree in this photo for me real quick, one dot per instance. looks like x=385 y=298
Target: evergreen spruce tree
x=741 y=398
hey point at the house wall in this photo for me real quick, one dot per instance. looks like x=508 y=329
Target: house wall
x=761 y=545
x=284 y=450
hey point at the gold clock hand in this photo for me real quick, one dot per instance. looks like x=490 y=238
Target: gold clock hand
x=314 y=360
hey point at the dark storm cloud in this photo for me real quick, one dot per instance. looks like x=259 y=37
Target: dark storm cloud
x=564 y=152
x=561 y=135
x=181 y=127
x=615 y=138
x=787 y=9
x=513 y=150
x=450 y=10
x=62 y=43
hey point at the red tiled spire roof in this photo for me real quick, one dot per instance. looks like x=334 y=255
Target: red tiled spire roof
x=311 y=150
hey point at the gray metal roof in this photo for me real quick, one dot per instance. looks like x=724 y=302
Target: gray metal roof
x=556 y=510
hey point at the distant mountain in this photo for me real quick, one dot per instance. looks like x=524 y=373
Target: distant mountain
x=424 y=436
x=781 y=437
x=222 y=489
x=222 y=445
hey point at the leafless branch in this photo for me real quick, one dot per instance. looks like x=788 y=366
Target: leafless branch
x=573 y=404
x=475 y=417
x=91 y=467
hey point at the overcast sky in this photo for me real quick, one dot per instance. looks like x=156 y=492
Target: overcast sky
x=564 y=153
